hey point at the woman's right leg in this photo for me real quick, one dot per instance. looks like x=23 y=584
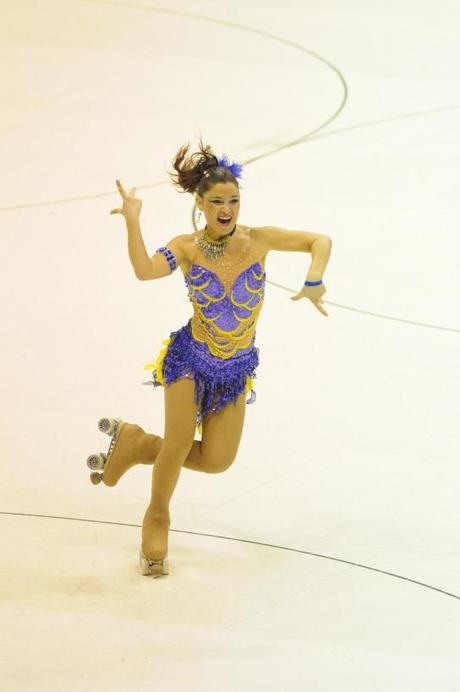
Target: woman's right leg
x=180 y=423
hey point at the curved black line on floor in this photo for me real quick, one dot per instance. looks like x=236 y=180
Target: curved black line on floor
x=233 y=25
x=292 y=143
x=244 y=540
x=160 y=183
x=372 y=314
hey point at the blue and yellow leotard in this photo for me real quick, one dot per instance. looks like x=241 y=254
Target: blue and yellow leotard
x=217 y=345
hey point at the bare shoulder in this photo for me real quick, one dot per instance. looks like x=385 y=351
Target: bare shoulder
x=259 y=239
x=184 y=245
x=275 y=238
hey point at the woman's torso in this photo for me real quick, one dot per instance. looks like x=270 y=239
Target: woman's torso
x=227 y=293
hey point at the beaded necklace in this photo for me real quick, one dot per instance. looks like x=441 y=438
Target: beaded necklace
x=226 y=266
x=213 y=249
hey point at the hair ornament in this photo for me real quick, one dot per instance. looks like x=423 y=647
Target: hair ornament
x=235 y=168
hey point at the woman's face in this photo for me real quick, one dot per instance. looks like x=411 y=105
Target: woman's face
x=221 y=201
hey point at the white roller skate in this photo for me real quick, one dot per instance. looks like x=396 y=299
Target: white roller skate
x=135 y=447
x=110 y=426
x=156 y=568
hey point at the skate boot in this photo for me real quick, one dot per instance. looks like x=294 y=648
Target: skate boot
x=154 y=566
x=130 y=445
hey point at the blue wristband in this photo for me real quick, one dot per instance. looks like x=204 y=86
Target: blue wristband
x=169 y=256
x=313 y=283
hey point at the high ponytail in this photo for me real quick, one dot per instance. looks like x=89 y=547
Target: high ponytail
x=189 y=171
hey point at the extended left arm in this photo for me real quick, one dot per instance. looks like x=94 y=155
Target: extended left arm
x=320 y=253
x=300 y=241
x=318 y=244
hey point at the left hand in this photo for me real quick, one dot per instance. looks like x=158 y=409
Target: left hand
x=314 y=294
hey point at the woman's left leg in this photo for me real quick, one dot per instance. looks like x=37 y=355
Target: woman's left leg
x=214 y=453
x=217 y=449
x=222 y=431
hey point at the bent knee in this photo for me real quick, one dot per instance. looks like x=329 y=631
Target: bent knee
x=219 y=464
x=177 y=445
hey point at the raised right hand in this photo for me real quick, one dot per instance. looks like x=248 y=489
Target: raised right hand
x=131 y=205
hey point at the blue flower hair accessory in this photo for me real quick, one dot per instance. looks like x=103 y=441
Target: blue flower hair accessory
x=235 y=168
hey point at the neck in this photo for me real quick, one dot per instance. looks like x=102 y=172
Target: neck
x=213 y=236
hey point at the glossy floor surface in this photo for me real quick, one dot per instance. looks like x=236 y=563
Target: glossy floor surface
x=327 y=558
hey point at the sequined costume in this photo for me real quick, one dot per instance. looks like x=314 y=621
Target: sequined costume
x=217 y=345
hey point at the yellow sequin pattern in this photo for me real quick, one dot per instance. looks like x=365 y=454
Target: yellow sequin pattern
x=226 y=323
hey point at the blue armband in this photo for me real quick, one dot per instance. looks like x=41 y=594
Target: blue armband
x=169 y=256
x=312 y=283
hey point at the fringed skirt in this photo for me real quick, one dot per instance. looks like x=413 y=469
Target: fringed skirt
x=218 y=381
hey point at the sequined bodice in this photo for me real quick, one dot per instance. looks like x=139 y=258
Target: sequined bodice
x=227 y=300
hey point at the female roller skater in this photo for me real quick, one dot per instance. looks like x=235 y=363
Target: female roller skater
x=207 y=366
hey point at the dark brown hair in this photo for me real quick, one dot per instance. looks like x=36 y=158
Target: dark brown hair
x=189 y=175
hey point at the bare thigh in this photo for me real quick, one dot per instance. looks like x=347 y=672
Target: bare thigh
x=180 y=416
x=222 y=431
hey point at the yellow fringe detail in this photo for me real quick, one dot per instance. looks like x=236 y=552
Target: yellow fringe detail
x=158 y=364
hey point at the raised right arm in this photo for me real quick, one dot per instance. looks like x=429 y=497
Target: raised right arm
x=147 y=268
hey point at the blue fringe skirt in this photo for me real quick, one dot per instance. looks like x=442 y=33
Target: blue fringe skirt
x=218 y=381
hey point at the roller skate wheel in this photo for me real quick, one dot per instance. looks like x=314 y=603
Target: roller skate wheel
x=96 y=462
x=108 y=425
x=96 y=478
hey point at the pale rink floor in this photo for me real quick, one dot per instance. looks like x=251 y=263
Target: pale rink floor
x=327 y=558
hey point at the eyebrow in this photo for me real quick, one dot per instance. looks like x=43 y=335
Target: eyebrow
x=218 y=197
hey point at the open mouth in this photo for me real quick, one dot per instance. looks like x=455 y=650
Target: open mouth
x=225 y=222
